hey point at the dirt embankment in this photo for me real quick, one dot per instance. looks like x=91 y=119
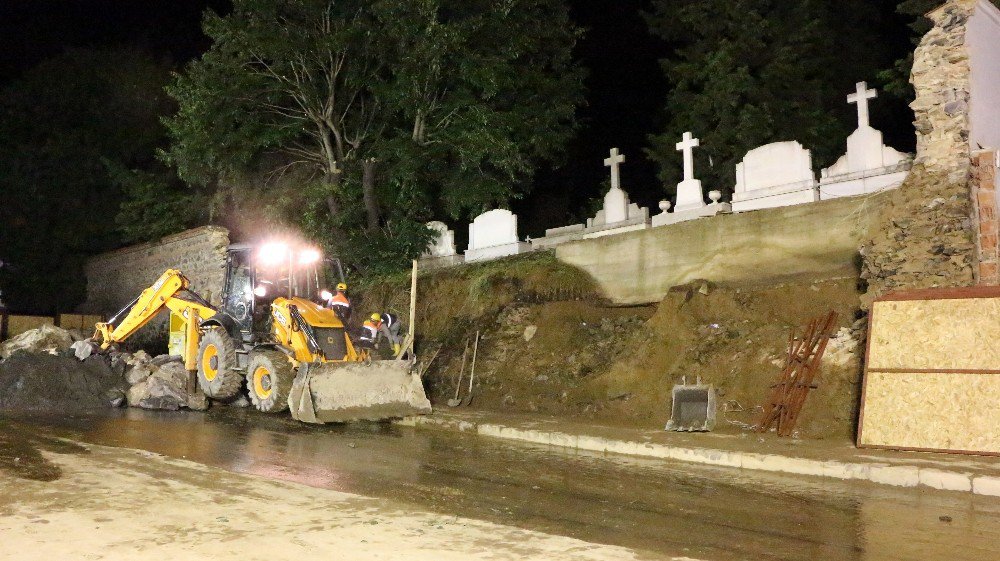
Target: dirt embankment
x=551 y=344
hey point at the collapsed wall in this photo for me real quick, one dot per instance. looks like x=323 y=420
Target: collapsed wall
x=927 y=233
x=115 y=278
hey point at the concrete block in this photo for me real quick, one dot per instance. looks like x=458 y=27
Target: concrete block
x=946 y=480
x=899 y=476
x=986 y=485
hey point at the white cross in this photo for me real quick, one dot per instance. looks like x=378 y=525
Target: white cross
x=861 y=97
x=613 y=162
x=687 y=145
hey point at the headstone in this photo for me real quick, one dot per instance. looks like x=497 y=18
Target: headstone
x=443 y=244
x=493 y=234
x=441 y=252
x=618 y=215
x=618 y=211
x=690 y=196
x=689 y=193
x=869 y=165
x=774 y=175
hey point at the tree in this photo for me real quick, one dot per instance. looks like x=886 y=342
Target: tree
x=747 y=72
x=380 y=113
x=896 y=80
x=61 y=126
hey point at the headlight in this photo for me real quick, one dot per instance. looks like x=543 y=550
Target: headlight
x=325 y=295
x=273 y=254
x=308 y=256
x=260 y=291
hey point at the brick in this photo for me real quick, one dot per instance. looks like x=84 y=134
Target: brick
x=988 y=242
x=989 y=273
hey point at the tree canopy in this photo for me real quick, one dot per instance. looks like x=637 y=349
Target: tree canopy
x=359 y=120
x=744 y=73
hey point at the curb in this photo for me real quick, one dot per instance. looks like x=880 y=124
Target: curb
x=875 y=472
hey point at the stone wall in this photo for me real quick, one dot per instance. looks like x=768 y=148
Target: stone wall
x=114 y=279
x=819 y=240
x=924 y=236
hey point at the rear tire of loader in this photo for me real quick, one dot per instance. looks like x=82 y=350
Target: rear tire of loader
x=217 y=374
x=269 y=380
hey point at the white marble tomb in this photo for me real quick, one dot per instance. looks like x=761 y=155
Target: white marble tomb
x=869 y=165
x=690 y=197
x=493 y=234
x=775 y=175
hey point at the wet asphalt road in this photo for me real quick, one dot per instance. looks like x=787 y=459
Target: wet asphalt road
x=663 y=508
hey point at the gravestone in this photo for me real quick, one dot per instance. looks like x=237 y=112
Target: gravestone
x=441 y=252
x=618 y=215
x=493 y=234
x=869 y=165
x=774 y=175
x=690 y=198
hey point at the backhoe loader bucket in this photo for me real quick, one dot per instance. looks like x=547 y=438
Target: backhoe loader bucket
x=355 y=391
x=693 y=408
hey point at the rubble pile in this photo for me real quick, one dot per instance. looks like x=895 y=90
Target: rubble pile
x=39 y=372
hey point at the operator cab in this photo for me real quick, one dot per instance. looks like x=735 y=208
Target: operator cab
x=256 y=275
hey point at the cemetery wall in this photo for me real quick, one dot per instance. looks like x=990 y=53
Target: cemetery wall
x=117 y=277
x=819 y=240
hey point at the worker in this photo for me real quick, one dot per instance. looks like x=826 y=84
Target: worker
x=340 y=303
x=379 y=327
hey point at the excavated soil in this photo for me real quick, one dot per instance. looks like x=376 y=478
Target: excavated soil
x=39 y=381
x=585 y=359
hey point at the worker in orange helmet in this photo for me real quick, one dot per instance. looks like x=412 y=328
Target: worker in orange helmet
x=378 y=327
x=340 y=303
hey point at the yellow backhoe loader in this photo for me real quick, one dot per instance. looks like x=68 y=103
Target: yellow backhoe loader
x=273 y=330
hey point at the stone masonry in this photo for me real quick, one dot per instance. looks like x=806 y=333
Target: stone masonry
x=117 y=277
x=924 y=236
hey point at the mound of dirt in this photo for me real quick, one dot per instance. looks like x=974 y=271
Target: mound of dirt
x=44 y=382
x=47 y=338
x=582 y=358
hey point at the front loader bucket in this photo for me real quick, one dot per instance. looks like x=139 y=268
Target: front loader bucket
x=339 y=392
x=693 y=408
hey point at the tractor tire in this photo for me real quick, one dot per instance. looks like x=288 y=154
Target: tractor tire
x=217 y=374
x=269 y=380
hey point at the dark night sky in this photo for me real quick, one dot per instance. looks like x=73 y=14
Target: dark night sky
x=626 y=86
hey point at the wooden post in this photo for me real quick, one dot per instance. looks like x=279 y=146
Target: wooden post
x=413 y=306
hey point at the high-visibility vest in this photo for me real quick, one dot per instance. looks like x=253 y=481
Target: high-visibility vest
x=369 y=331
x=340 y=300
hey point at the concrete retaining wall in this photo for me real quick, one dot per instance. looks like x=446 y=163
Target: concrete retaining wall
x=820 y=239
x=117 y=277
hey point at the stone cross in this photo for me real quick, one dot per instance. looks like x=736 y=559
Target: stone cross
x=613 y=162
x=687 y=145
x=861 y=97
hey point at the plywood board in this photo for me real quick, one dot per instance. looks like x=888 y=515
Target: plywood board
x=937 y=411
x=948 y=334
x=932 y=374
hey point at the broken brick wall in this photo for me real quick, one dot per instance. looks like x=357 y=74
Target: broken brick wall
x=984 y=195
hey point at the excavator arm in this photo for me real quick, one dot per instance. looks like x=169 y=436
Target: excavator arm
x=164 y=293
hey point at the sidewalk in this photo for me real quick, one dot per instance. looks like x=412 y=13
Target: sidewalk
x=828 y=458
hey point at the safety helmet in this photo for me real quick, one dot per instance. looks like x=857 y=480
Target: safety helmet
x=342 y=286
x=376 y=317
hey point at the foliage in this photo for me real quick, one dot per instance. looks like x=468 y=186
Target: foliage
x=896 y=79
x=748 y=72
x=61 y=124
x=154 y=203
x=385 y=112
